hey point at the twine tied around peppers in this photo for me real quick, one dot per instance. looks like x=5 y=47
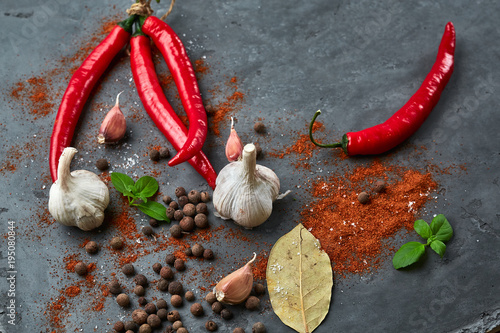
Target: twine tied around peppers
x=143 y=8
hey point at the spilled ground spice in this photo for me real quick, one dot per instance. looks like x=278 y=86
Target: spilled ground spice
x=354 y=235
x=221 y=112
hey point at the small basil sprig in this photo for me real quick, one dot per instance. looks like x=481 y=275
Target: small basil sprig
x=437 y=233
x=138 y=193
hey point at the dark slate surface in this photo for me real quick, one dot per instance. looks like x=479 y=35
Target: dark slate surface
x=354 y=60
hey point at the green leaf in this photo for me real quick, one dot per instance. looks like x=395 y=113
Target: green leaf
x=441 y=228
x=438 y=247
x=422 y=228
x=146 y=187
x=122 y=183
x=154 y=210
x=408 y=254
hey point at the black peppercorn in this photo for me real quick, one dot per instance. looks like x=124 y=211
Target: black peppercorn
x=174 y=205
x=163 y=285
x=154 y=155
x=91 y=247
x=102 y=164
x=166 y=199
x=139 y=316
x=139 y=290
x=175 y=288
x=176 y=231
x=123 y=300
x=180 y=191
x=150 y=308
x=211 y=298
x=117 y=243
x=258 y=328
x=157 y=267
x=189 y=296
x=154 y=223
x=259 y=127
x=179 y=265
x=226 y=314
x=208 y=254
x=201 y=221
x=217 y=307
x=162 y=314
x=259 y=289
x=114 y=287
x=187 y=224
x=170 y=259
x=211 y=326
x=141 y=280
x=198 y=250
x=183 y=201
x=176 y=301
x=173 y=316
x=161 y=304
x=194 y=197
x=164 y=152
x=252 y=303
x=205 y=196
x=128 y=269
x=197 y=310
x=363 y=198
x=81 y=268
x=167 y=273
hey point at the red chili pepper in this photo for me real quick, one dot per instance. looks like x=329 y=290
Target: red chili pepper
x=383 y=137
x=182 y=71
x=81 y=84
x=157 y=106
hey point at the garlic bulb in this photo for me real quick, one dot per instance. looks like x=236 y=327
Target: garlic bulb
x=236 y=287
x=245 y=191
x=77 y=198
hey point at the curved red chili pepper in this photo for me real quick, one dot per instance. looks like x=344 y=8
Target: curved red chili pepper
x=81 y=84
x=182 y=71
x=157 y=106
x=383 y=137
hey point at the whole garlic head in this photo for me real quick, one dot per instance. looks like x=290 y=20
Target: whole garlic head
x=77 y=198
x=245 y=191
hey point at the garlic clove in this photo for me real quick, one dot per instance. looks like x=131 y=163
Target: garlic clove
x=234 y=146
x=114 y=125
x=236 y=287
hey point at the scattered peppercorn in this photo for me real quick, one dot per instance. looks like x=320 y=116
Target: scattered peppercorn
x=102 y=164
x=180 y=265
x=91 y=247
x=259 y=289
x=205 y=196
x=208 y=254
x=163 y=285
x=197 y=309
x=154 y=223
x=164 y=152
x=176 y=301
x=167 y=273
x=81 y=268
x=161 y=304
x=211 y=326
x=174 y=205
x=123 y=300
x=141 y=280
x=154 y=155
x=128 y=269
x=150 y=308
x=183 y=201
x=147 y=230
x=379 y=186
x=169 y=329
x=189 y=209
x=170 y=213
x=211 y=298
x=139 y=316
x=226 y=314
x=252 y=303
x=157 y=268
x=129 y=326
x=154 y=321
x=258 y=150
x=202 y=208
x=258 y=327
x=217 y=307
x=114 y=287
x=175 y=288
x=201 y=221
x=176 y=231
x=178 y=215
x=187 y=224
x=189 y=296
x=173 y=316
x=180 y=191
x=162 y=314
x=259 y=127
x=145 y=328
x=198 y=250
x=139 y=290
x=238 y=330
x=119 y=326
x=188 y=252
x=194 y=197
x=363 y=198
x=182 y=330
x=170 y=259
x=117 y=243
x=176 y=325
x=166 y=199
x=142 y=301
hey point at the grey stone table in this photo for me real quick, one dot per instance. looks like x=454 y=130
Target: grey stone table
x=348 y=58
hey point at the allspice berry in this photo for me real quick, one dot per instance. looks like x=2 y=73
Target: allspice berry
x=238 y=330
x=123 y=300
x=379 y=186
x=102 y=164
x=119 y=326
x=173 y=316
x=205 y=196
x=141 y=280
x=175 y=288
x=139 y=316
x=91 y=247
x=258 y=327
x=201 y=221
x=211 y=326
x=187 y=224
x=202 y=208
x=154 y=321
x=182 y=330
x=197 y=310
x=167 y=273
x=128 y=269
x=139 y=290
x=208 y=254
x=189 y=296
x=189 y=209
x=145 y=328
x=150 y=308
x=174 y=205
x=164 y=152
x=170 y=213
x=363 y=198
x=81 y=269
x=170 y=259
x=217 y=307
x=154 y=155
x=153 y=223
x=179 y=265
x=211 y=298
x=259 y=289
x=147 y=230
x=142 y=301
x=176 y=301
x=188 y=252
x=176 y=325
x=198 y=250
x=117 y=243
x=176 y=231
x=166 y=199
x=180 y=191
x=258 y=150
x=162 y=314
x=178 y=215
x=259 y=127
x=114 y=287
x=162 y=285
x=157 y=267
x=226 y=314
x=129 y=326
x=183 y=201
x=252 y=303
x=161 y=304
x=194 y=197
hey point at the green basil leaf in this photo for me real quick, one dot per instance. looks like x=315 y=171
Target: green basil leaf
x=422 y=228
x=155 y=210
x=408 y=254
x=122 y=183
x=441 y=228
x=146 y=187
x=438 y=247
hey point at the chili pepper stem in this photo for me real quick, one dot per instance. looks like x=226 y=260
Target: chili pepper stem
x=128 y=23
x=333 y=145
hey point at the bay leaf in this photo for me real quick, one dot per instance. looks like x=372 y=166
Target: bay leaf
x=299 y=280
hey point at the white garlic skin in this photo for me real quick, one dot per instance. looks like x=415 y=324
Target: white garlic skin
x=77 y=198
x=245 y=191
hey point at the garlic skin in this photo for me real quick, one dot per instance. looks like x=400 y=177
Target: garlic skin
x=113 y=126
x=77 y=198
x=236 y=287
x=245 y=191
x=234 y=146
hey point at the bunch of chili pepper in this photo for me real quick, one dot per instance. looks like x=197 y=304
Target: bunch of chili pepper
x=383 y=137
x=188 y=143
